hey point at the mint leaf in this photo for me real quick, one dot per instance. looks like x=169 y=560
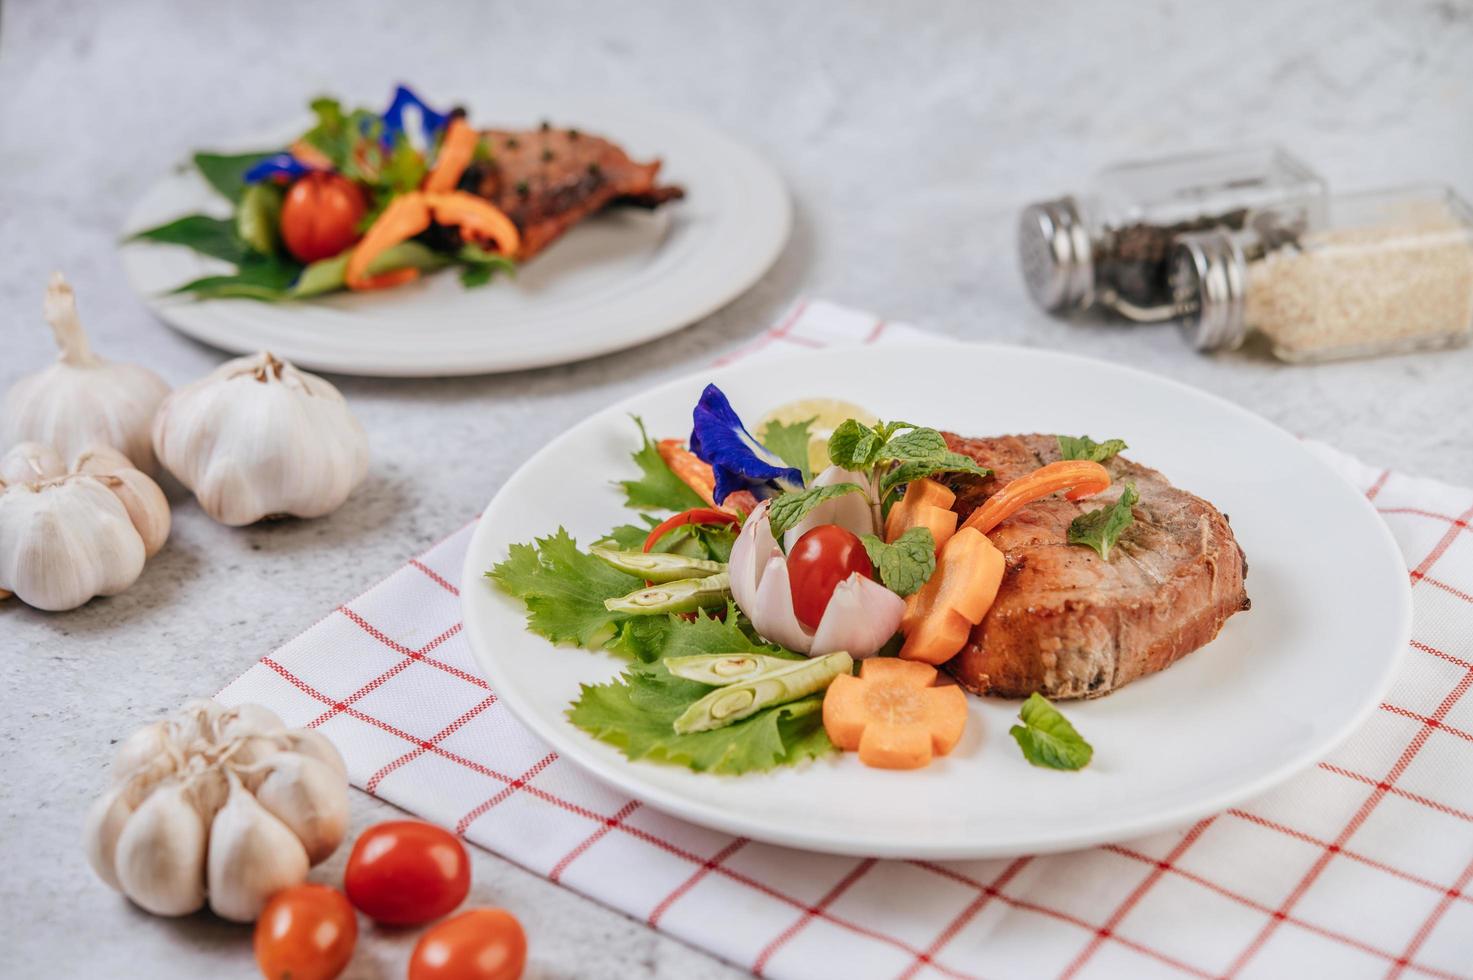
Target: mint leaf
x=636 y=713
x=789 y=442
x=1046 y=737
x=906 y=563
x=1083 y=447
x=226 y=172
x=788 y=509
x=657 y=488
x=564 y=590
x=853 y=445
x=946 y=462
x=916 y=444
x=1100 y=529
x=214 y=237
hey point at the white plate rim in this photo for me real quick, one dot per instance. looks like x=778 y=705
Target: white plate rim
x=768 y=226
x=577 y=747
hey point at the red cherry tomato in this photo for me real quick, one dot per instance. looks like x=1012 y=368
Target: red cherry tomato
x=822 y=558
x=306 y=932
x=405 y=872
x=482 y=944
x=320 y=216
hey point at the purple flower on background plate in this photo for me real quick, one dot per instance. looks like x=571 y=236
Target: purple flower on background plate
x=739 y=460
x=276 y=165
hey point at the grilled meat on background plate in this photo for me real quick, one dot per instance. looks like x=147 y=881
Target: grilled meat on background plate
x=547 y=180
x=1069 y=624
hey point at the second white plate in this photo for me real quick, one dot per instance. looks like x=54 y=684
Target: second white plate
x=619 y=279
x=1281 y=685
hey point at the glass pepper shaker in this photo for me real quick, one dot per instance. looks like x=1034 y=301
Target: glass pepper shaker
x=1374 y=273
x=1111 y=247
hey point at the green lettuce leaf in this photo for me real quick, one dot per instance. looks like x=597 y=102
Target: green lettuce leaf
x=1046 y=737
x=652 y=638
x=564 y=590
x=636 y=713
x=225 y=172
x=789 y=442
x=1100 y=529
x=905 y=564
x=1083 y=447
x=657 y=487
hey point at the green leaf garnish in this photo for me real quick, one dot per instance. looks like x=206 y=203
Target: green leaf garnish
x=564 y=590
x=636 y=713
x=1100 y=529
x=225 y=172
x=1046 y=737
x=1083 y=447
x=905 y=564
x=910 y=455
x=657 y=488
x=256 y=278
x=652 y=638
x=788 y=509
x=789 y=442
x=214 y=237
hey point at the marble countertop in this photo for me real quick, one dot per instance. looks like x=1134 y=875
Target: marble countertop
x=909 y=134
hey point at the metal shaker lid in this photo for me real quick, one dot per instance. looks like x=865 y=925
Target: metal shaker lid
x=1209 y=280
x=1055 y=253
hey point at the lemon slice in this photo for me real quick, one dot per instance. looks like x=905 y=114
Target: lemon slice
x=827 y=414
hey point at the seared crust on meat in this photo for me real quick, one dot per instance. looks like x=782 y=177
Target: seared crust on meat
x=1068 y=624
x=547 y=180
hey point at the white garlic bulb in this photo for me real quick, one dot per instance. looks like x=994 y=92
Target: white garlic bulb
x=83 y=399
x=224 y=805
x=68 y=534
x=259 y=438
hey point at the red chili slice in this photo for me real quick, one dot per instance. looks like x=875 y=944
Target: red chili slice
x=696 y=515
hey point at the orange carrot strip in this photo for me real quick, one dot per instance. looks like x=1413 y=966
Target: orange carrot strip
x=477 y=218
x=456 y=151
x=405 y=217
x=697 y=474
x=1081 y=477
x=310 y=155
x=939 y=618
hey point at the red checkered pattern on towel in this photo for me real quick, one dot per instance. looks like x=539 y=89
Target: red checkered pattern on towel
x=1360 y=866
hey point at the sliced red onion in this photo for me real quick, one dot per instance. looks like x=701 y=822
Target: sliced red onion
x=772 y=614
x=861 y=618
x=851 y=511
x=749 y=556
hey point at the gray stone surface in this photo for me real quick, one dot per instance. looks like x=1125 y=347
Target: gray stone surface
x=909 y=135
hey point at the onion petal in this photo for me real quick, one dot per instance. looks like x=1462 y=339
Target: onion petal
x=851 y=511
x=861 y=618
x=772 y=614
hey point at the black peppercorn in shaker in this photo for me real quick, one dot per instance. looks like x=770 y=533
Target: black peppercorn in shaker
x=1111 y=247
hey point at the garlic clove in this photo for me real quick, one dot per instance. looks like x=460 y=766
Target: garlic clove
x=101 y=830
x=308 y=796
x=144 y=501
x=160 y=855
x=252 y=855
x=258 y=438
x=31 y=462
x=63 y=543
x=83 y=399
x=316 y=746
x=248 y=719
x=142 y=751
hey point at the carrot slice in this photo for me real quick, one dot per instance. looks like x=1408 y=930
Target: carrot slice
x=456 y=151
x=939 y=618
x=1080 y=477
x=697 y=474
x=405 y=217
x=926 y=504
x=893 y=715
x=310 y=155
x=477 y=218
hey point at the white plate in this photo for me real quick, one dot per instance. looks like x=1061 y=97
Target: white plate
x=616 y=280
x=1277 y=689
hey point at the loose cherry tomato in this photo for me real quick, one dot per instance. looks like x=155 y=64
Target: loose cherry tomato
x=306 y=932
x=822 y=558
x=320 y=216
x=482 y=944
x=405 y=872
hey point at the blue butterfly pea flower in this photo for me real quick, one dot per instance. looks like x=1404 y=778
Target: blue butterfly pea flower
x=739 y=461
x=277 y=165
x=431 y=122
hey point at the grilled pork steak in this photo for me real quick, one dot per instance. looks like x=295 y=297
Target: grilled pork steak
x=547 y=180
x=1067 y=623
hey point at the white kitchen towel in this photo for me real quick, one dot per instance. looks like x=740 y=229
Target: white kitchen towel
x=1358 y=867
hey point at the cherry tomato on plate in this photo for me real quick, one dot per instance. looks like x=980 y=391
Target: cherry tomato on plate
x=822 y=558
x=405 y=872
x=481 y=944
x=320 y=215
x=306 y=932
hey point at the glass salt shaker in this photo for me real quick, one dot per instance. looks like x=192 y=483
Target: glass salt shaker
x=1374 y=273
x=1111 y=247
